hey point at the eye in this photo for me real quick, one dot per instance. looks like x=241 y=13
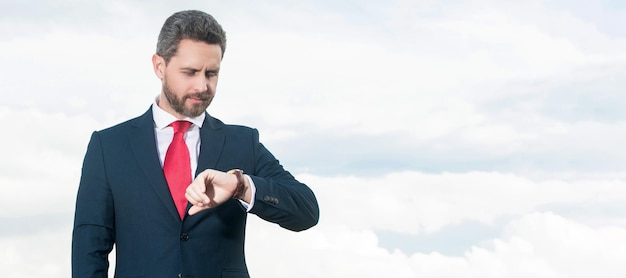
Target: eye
x=210 y=74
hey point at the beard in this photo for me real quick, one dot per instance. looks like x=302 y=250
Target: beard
x=178 y=104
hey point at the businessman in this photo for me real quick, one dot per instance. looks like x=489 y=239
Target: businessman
x=171 y=189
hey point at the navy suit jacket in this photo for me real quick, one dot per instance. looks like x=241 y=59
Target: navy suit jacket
x=123 y=200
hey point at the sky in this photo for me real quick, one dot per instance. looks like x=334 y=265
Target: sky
x=475 y=138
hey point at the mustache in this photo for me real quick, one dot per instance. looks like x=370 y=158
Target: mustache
x=201 y=95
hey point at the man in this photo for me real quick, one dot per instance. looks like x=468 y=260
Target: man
x=136 y=190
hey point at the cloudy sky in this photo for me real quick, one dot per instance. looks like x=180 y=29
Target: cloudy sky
x=450 y=138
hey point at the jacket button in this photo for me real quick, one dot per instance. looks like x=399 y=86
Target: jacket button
x=271 y=200
x=184 y=237
x=180 y=275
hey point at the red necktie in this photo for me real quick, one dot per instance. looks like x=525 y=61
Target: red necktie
x=177 y=166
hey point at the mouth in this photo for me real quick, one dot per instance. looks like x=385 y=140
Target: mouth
x=198 y=98
x=195 y=99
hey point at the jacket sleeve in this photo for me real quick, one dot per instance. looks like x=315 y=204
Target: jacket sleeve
x=93 y=236
x=279 y=197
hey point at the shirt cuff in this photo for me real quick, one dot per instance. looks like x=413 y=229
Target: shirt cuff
x=245 y=205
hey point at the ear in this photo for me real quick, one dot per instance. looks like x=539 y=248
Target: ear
x=158 y=63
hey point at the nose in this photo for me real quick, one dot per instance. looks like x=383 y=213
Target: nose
x=200 y=84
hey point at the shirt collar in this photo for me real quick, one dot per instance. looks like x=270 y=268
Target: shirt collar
x=163 y=119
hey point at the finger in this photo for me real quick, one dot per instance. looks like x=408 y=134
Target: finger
x=192 y=194
x=201 y=185
x=195 y=209
x=198 y=185
x=194 y=199
x=196 y=192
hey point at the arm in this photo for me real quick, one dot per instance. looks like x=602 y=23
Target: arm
x=279 y=197
x=93 y=235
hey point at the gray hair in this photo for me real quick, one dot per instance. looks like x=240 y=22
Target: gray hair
x=193 y=25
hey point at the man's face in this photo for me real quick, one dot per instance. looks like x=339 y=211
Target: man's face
x=189 y=79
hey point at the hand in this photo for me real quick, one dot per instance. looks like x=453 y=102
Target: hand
x=210 y=189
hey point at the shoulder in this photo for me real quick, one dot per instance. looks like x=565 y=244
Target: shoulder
x=231 y=130
x=145 y=121
x=215 y=123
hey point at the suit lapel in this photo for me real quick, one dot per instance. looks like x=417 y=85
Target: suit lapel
x=211 y=144
x=144 y=148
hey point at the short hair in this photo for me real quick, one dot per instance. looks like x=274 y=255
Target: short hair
x=192 y=24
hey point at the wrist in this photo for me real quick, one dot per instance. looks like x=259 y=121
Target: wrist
x=240 y=188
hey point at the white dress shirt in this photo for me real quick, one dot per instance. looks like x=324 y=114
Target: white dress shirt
x=164 y=135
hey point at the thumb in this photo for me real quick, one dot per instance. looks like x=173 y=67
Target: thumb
x=195 y=209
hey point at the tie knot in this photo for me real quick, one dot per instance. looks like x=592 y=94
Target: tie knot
x=180 y=126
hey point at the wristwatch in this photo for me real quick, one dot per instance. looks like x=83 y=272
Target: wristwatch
x=241 y=186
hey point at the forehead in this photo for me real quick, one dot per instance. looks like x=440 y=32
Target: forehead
x=196 y=53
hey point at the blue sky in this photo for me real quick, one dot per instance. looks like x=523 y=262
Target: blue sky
x=443 y=138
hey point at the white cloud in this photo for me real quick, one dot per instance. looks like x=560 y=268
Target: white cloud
x=478 y=77
x=431 y=80
x=483 y=83
x=43 y=254
x=414 y=203
x=41 y=161
x=535 y=244
x=548 y=245
x=325 y=251
x=567 y=245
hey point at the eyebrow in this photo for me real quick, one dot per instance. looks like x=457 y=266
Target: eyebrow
x=196 y=70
